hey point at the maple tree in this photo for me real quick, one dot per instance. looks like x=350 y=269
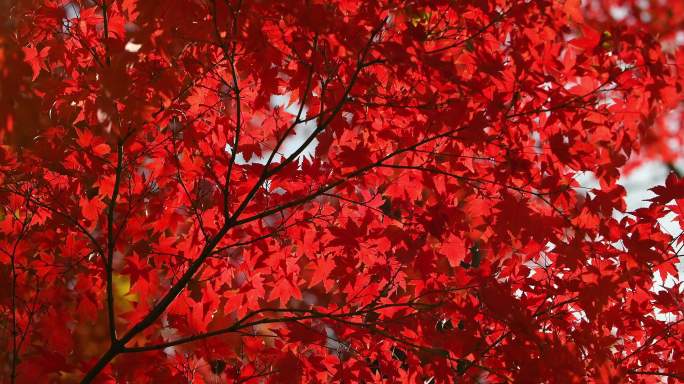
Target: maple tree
x=337 y=191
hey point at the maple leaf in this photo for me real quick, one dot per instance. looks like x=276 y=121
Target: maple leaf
x=672 y=190
x=36 y=59
x=91 y=209
x=322 y=270
x=339 y=191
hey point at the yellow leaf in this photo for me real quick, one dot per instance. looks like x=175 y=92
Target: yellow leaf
x=123 y=298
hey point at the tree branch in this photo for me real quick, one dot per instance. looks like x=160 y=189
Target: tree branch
x=679 y=376
x=109 y=257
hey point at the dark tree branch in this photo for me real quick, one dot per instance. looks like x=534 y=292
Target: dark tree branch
x=105 y=27
x=111 y=242
x=678 y=376
x=305 y=314
x=345 y=178
x=230 y=57
x=470 y=38
x=13 y=289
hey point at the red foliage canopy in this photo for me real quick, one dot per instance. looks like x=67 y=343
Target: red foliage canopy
x=336 y=191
